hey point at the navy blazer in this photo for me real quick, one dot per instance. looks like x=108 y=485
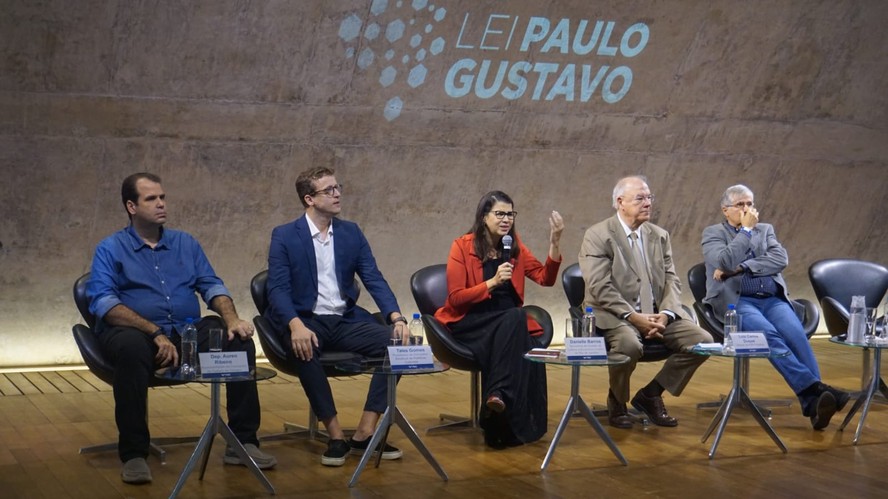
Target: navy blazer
x=293 y=273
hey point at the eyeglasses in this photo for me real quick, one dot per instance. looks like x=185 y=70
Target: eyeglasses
x=328 y=191
x=742 y=204
x=503 y=214
x=640 y=199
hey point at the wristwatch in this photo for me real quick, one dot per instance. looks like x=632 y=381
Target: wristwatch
x=400 y=319
x=157 y=333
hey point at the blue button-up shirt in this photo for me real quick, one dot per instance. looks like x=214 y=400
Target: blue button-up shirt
x=157 y=283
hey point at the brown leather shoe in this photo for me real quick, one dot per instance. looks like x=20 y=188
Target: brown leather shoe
x=654 y=409
x=617 y=414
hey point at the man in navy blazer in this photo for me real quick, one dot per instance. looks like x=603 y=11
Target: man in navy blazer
x=744 y=265
x=312 y=263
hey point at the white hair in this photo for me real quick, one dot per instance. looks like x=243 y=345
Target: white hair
x=624 y=182
x=735 y=190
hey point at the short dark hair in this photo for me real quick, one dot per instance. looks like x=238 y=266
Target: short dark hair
x=305 y=181
x=128 y=191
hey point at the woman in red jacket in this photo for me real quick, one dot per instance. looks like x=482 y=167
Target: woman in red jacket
x=485 y=293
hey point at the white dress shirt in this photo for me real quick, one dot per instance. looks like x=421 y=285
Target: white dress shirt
x=329 y=300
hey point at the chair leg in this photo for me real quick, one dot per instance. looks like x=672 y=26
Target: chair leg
x=293 y=430
x=155 y=447
x=459 y=422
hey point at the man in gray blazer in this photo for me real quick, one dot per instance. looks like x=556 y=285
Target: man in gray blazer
x=744 y=262
x=632 y=287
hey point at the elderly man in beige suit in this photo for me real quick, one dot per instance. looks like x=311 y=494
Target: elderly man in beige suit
x=631 y=284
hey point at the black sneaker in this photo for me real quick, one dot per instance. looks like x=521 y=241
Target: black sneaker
x=359 y=446
x=336 y=452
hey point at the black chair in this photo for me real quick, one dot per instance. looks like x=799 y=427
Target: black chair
x=835 y=281
x=91 y=351
x=805 y=310
x=429 y=287
x=276 y=353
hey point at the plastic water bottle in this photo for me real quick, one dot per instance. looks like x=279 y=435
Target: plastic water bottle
x=731 y=322
x=189 y=349
x=417 y=331
x=587 y=324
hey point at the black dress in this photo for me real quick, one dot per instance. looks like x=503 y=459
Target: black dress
x=495 y=330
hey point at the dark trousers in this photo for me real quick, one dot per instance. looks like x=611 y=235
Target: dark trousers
x=132 y=352
x=498 y=340
x=337 y=334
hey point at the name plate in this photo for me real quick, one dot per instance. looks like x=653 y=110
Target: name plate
x=411 y=357
x=585 y=348
x=750 y=342
x=223 y=364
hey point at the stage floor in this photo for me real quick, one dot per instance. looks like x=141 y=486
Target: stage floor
x=45 y=417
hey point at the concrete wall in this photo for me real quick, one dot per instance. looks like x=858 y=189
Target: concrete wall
x=229 y=100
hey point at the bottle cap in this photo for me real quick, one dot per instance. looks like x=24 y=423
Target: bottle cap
x=588 y=309
x=416 y=316
x=731 y=306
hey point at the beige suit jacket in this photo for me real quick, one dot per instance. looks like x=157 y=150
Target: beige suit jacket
x=613 y=282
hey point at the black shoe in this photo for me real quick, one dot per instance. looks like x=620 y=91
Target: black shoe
x=336 y=452
x=823 y=412
x=842 y=397
x=388 y=452
x=654 y=409
x=617 y=414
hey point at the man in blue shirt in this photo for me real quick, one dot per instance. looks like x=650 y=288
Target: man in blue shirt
x=141 y=290
x=744 y=266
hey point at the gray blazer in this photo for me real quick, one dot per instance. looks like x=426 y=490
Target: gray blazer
x=613 y=282
x=724 y=249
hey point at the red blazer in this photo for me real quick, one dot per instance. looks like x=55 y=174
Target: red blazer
x=466 y=286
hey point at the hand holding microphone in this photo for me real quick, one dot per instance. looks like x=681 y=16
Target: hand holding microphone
x=504 y=271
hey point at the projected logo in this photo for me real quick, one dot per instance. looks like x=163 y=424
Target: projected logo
x=406 y=28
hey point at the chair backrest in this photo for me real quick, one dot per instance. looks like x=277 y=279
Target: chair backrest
x=574 y=285
x=82 y=300
x=705 y=315
x=842 y=278
x=697 y=282
x=258 y=291
x=271 y=343
x=429 y=287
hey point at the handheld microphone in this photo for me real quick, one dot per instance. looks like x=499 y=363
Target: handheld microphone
x=507 y=248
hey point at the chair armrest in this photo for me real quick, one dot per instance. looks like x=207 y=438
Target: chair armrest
x=809 y=315
x=269 y=340
x=709 y=322
x=446 y=348
x=544 y=319
x=835 y=316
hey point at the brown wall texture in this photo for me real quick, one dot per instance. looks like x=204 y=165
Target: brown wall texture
x=229 y=100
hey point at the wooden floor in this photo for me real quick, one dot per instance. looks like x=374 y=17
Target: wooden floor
x=46 y=417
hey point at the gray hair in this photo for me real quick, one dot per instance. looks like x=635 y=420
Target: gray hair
x=620 y=188
x=735 y=190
